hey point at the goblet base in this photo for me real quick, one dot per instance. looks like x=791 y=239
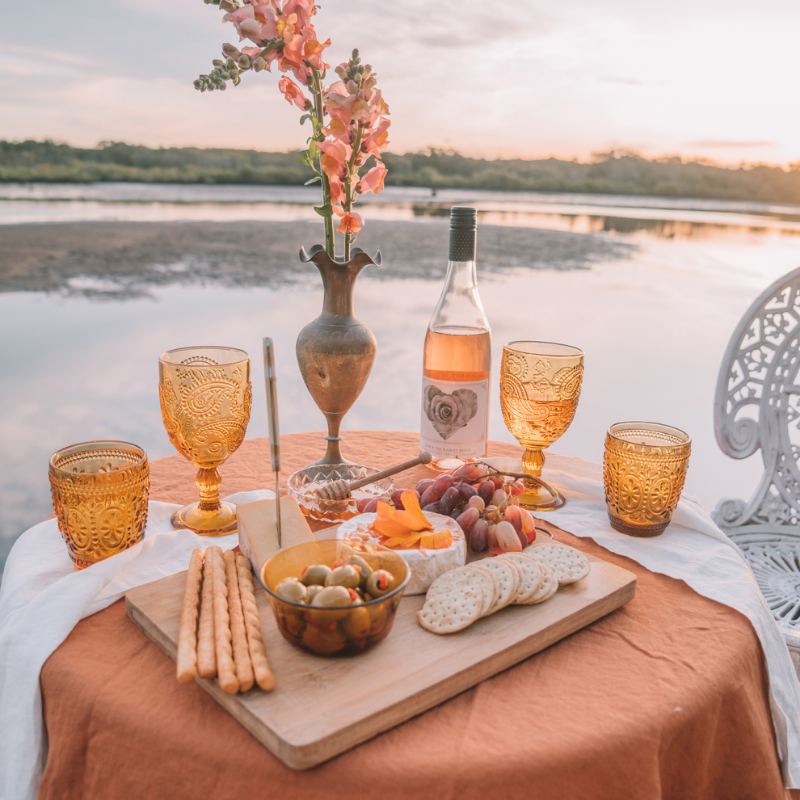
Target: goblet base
x=538 y=498
x=205 y=523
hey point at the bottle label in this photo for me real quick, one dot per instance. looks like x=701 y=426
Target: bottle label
x=454 y=415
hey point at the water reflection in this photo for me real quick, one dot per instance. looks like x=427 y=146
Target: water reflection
x=660 y=218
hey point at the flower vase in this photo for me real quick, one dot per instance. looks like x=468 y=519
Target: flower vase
x=335 y=351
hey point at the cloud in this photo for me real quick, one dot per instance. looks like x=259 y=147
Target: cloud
x=728 y=143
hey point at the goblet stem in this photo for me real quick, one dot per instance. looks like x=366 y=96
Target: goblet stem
x=208 y=481
x=533 y=461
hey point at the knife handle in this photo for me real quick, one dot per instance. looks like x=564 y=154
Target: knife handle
x=272 y=405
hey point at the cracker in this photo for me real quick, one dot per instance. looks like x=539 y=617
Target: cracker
x=226 y=673
x=508 y=579
x=548 y=588
x=569 y=564
x=255 y=642
x=531 y=575
x=241 y=655
x=206 y=655
x=452 y=611
x=464 y=577
x=187 y=636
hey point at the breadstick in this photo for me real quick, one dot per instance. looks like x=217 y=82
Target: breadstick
x=206 y=658
x=241 y=655
x=258 y=655
x=222 y=632
x=187 y=637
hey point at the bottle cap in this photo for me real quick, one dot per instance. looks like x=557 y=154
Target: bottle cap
x=463 y=218
x=463 y=233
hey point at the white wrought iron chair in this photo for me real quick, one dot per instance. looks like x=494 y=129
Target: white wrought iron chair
x=757 y=407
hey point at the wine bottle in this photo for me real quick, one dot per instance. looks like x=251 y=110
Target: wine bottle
x=458 y=356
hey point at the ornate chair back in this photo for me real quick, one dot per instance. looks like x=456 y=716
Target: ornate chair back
x=757 y=407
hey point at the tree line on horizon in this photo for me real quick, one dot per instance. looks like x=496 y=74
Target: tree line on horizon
x=608 y=173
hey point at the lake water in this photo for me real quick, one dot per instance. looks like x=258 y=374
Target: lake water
x=654 y=324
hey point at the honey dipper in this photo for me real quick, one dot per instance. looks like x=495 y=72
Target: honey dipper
x=342 y=489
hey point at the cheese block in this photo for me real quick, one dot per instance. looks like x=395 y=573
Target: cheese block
x=425 y=565
x=258 y=534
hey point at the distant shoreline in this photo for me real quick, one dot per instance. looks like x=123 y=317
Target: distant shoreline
x=611 y=173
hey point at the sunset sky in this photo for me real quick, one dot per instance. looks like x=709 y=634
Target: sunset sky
x=503 y=79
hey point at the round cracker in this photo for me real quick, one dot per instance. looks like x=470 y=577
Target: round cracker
x=508 y=580
x=569 y=564
x=548 y=588
x=531 y=573
x=464 y=577
x=452 y=611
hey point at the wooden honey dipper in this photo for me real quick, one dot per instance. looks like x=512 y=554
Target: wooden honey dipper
x=342 y=489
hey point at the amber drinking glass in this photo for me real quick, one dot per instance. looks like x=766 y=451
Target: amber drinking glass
x=100 y=492
x=205 y=396
x=644 y=468
x=540 y=383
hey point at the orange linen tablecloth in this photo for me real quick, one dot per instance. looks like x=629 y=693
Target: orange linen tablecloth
x=664 y=698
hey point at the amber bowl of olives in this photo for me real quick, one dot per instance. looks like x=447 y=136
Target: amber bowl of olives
x=335 y=597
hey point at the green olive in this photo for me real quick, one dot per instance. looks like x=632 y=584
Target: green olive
x=380 y=583
x=312 y=591
x=315 y=574
x=332 y=596
x=357 y=623
x=366 y=571
x=324 y=643
x=293 y=622
x=292 y=589
x=346 y=575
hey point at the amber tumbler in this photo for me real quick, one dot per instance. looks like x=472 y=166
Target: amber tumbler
x=100 y=491
x=644 y=468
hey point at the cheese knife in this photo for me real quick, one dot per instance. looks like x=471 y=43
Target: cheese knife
x=274 y=430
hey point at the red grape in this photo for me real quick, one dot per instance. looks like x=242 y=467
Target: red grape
x=478 y=536
x=466 y=491
x=397 y=499
x=448 y=500
x=512 y=514
x=491 y=539
x=517 y=488
x=371 y=506
x=432 y=508
x=499 y=498
x=486 y=490
x=507 y=538
x=428 y=497
x=466 y=519
x=362 y=504
x=423 y=485
x=442 y=484
x=476 y=502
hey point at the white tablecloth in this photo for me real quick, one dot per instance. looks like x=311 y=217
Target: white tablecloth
x=43 y=597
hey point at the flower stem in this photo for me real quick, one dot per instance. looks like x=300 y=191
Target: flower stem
x=352 y=168
x=319 y=114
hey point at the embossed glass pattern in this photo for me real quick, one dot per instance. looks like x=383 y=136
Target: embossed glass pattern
x=540 y=383
x=100 y=491
x=644 y=468
x=205 y=395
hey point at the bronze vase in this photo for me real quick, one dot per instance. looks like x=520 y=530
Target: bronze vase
x=335 y=351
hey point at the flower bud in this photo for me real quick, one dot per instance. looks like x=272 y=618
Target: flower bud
x=227 y=5
x=230 y=64
x=230 y=51
x=259 y=64
x=244 y=61
x=218 y=63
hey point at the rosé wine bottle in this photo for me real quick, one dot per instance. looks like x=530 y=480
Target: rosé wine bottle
x=458 y=358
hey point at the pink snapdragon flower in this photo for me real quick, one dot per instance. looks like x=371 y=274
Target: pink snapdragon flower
x=373 y=180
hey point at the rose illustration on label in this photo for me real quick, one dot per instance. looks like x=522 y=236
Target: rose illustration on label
x=449 y=412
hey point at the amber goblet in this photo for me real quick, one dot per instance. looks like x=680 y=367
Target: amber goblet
x=205 y=396
x=540 y=383
x=644 y=468
x=100 y=491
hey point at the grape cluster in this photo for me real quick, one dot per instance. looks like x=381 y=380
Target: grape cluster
x=484 y=502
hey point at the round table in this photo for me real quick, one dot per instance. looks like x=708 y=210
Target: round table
x=664 y=698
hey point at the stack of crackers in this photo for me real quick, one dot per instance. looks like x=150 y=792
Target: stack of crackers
x=459 y=597
x=220 y=632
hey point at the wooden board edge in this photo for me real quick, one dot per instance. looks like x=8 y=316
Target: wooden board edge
x=302 y=757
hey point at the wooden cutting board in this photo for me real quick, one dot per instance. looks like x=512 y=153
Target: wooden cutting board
x=322 y=707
